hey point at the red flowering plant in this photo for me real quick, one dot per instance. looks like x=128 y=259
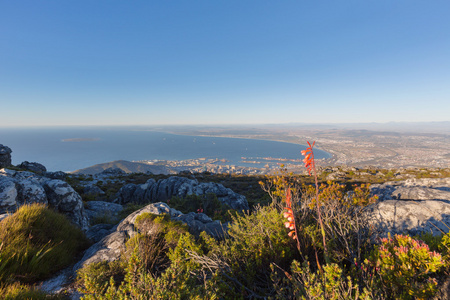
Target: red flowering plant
x=407 y=267
x=289 y=215
x=311 y=166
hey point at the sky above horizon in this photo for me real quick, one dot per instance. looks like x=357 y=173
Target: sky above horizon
x=112 y=62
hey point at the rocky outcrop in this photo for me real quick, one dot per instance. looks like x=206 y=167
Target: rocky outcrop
x=414 y=189
x=113 y=171
x=96 y=210
x=67 y=201
x=111 y=246
x=96 y=232
x=56 y=175
x=33 y=167
x=94 y=191
x=164 y=189
x=19 y=188
x=412 y=206
x=5 y=156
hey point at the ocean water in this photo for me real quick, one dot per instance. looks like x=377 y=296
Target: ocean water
x=69 y=149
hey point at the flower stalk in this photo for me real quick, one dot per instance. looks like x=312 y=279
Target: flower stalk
x=310 y=165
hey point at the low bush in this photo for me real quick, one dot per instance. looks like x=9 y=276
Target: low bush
x=406 y=267
x=18 y=291
x=36 y=242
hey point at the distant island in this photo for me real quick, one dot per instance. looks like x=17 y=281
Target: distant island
x=80 y=140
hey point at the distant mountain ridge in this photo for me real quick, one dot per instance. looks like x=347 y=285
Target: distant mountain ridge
x=126 y=166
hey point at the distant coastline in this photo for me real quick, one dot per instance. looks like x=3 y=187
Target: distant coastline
x=70 y=149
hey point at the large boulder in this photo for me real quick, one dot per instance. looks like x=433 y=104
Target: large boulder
x=19 y=188
x=67 y=201
x=113 y=171
x=413 y=206
x=164 y=189
x=8 y=195
x=97 y=210
x=95 y=192
x=111 y=246
x=5 y=156
x=33 y=166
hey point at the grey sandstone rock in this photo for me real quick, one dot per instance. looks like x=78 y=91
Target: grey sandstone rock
x=33 y=166
x=125 y=194
x=64 y=198
x=30 y=191
x=414 y=189
x=412 y=206
x=5 y=156
x=411 y=217
x=19 y=188
x=97 y=209
x=8 y=195
x=181 y=187
x=113 y=171
x=199 y=222
x=94 y=191
x=97 y=232
x=56 y=175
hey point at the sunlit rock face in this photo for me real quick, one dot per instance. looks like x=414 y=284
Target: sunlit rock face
x=18 y=188
x=413 y=206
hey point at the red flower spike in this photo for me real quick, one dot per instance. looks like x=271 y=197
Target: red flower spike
x=309 y=157
x=289 y=215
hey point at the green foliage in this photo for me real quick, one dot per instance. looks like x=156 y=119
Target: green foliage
x=174 y=283
x=208 y=204
x=18 y=291
x=36 y=242
x=347 y=231
x=331 y=284
x=406 y=267
x=95 y=278
x=240 y=265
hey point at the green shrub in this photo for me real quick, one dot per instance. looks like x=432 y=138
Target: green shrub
x=240 y=265
x=330 y=284
x=18 y=291
x=406 y=267
x=95 y=278
x=36 y=242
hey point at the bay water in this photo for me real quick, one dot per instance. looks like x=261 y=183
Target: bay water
x=69 y=148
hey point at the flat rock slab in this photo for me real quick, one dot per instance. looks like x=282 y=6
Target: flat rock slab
x=413 y=206
x=414 y=189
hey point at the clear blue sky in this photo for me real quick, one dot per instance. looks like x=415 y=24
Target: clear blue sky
x=223 y=62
